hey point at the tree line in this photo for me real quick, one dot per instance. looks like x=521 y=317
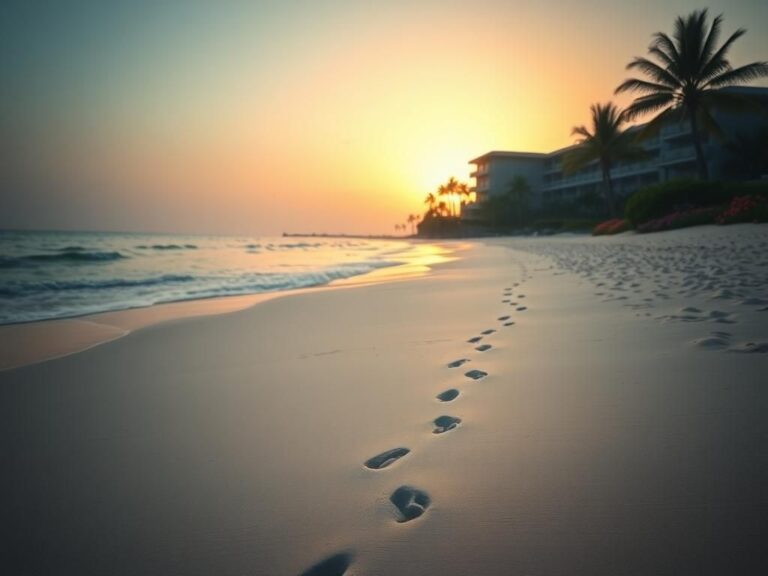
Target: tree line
x=680 y=80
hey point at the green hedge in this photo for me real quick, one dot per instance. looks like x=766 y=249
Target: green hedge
x=662 y=199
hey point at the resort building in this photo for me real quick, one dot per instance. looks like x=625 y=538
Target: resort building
x=670 y=155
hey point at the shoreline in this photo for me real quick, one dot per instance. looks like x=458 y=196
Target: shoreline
x=26 y=343
x=593 y=402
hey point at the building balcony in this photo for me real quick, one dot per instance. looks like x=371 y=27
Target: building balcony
x=674 y=155
x=635 y=168
x=594 y=177
x=675 y=130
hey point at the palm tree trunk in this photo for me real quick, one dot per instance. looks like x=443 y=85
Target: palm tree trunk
x=696 y=136
x=608 y=187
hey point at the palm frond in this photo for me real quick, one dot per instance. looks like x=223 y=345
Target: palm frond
x=581 y=131
x=670 y=65
x=662 y=119
x=663 y=44
x=740 y=75
x=714 y=69
x=712 y=37
x=636 y=85
x=680 y=39
x=656 y=72
x=605 y=143
x=649 y=103
x=690 y=37
x=717 y=60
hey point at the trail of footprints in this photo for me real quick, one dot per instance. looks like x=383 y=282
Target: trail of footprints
x=410 y=502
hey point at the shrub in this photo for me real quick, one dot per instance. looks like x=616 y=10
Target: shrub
x=682 y=219
x=745 y=209
x=614 y=226
x=655 y=201
x=680 y=195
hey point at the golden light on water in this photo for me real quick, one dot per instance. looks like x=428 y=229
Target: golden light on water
x=417 y=262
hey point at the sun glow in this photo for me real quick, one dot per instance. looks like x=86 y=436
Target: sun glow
x=267 y=117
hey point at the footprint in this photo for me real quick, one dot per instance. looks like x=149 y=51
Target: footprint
x=475 y=339
x=521 y=308
x=476 y=374
x=483 y=347
x=502 y=318
x=711 y=343
x=489 y=331
x=445 y=424
x=410 y=502
x=336 y=565
x=751 y=347
x=448 y=395
x=715 y=341
x=508 y=323
x=386 y=458
x=457 y=363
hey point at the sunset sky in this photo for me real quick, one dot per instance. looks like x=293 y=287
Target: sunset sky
x=296 y=115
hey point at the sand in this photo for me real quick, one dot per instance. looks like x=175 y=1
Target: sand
x=605 y=414
x=24 y=344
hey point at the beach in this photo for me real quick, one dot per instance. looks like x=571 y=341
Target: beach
x=610 y=419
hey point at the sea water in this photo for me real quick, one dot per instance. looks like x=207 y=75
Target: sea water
x=45 y=275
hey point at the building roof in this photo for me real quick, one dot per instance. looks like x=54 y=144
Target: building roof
x=759 y=92
x=501 y=154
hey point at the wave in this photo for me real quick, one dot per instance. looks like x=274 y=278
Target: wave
x=266 y=282
x=20 y=288
x=167 y=247
x=289 y=246
x=65 y=255
x=12 y=262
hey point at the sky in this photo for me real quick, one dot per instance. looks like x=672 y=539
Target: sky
x=258 y=117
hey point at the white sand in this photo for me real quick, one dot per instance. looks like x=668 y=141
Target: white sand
x=611 y=436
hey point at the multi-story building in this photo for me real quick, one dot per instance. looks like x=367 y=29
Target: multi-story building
x=670 y=155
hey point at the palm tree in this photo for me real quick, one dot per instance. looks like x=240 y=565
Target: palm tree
x=412 y=219
x=463 y=191
x=449 y=189
x=606 y=144
x=442 y=192
x=430 y=202
x=686 y=80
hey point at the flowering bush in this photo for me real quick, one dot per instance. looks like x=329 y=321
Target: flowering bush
x=682 y=219
x=745 y=209
x=613 y=226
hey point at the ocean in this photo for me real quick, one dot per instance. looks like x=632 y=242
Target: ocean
x=46 y=275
